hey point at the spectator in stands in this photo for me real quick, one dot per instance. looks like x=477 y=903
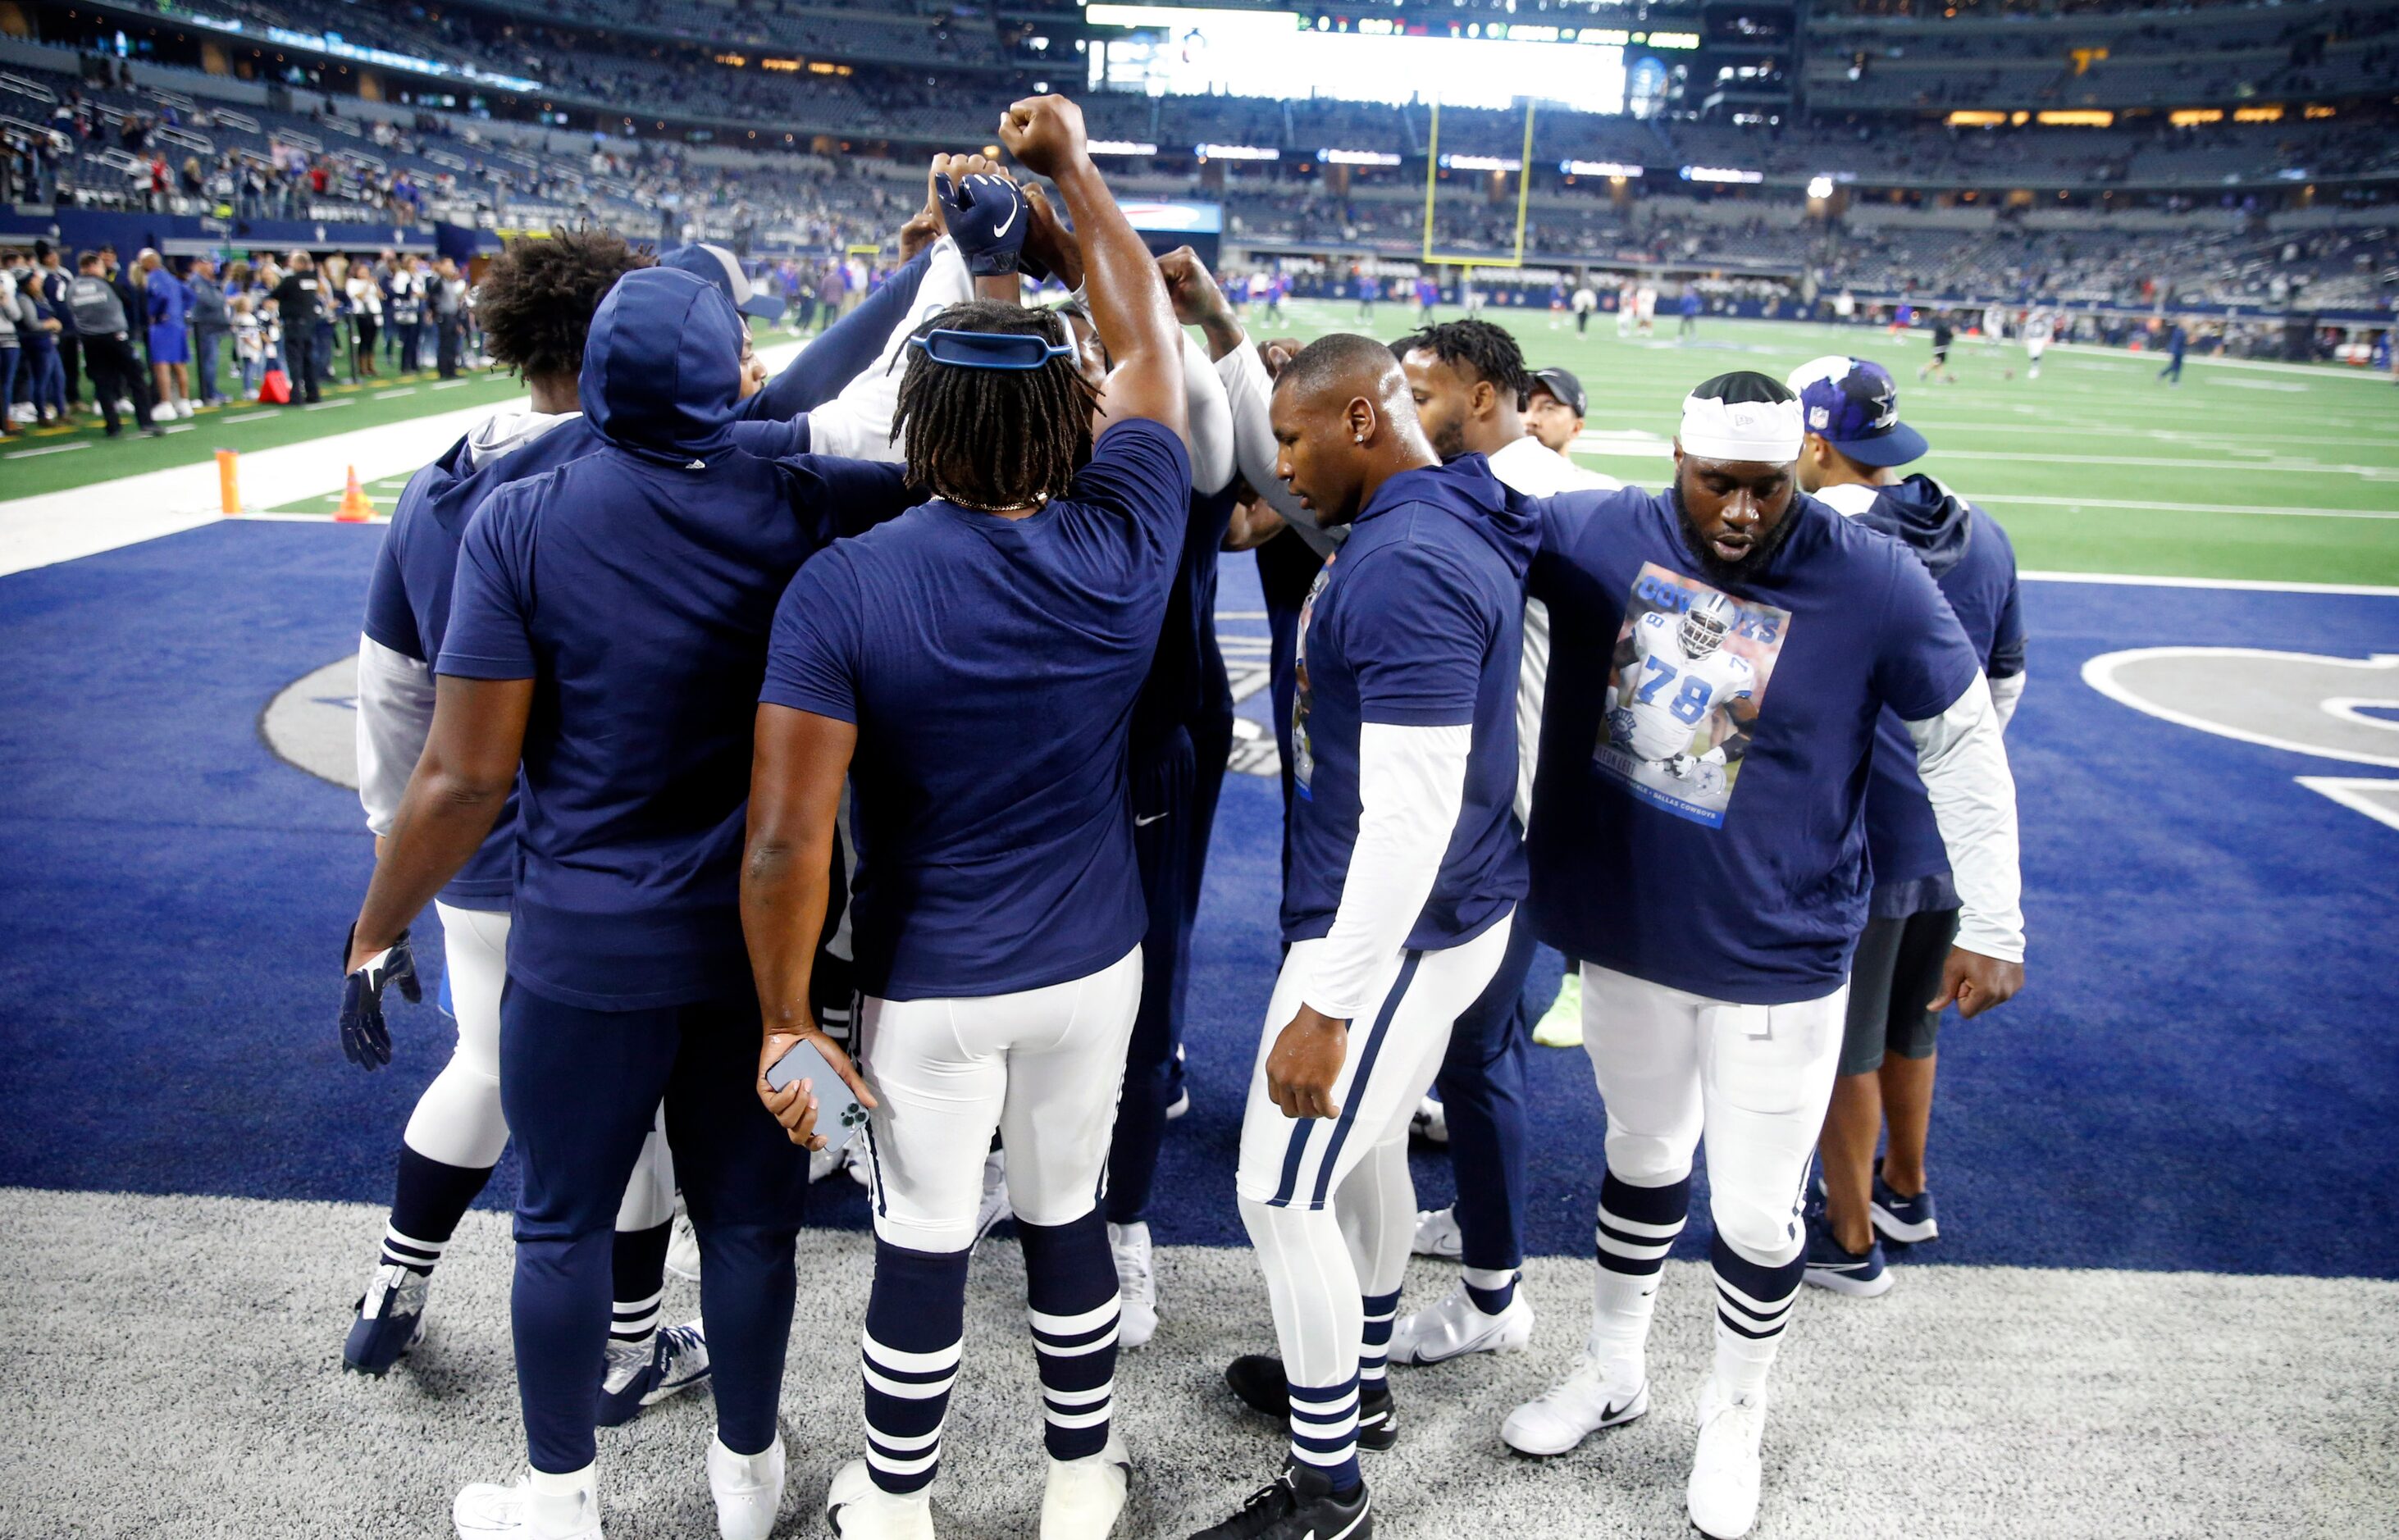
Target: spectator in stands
x=208 y=323
x=298 y=301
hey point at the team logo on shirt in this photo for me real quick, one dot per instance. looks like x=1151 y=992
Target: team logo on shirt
x=1684 y=691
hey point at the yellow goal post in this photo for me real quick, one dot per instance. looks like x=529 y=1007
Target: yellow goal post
x=1523 y=194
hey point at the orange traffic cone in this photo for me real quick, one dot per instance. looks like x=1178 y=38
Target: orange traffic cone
x=355 y=508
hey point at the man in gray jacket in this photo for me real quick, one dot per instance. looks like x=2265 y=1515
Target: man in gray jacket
x=107 y=350
x=209 y=324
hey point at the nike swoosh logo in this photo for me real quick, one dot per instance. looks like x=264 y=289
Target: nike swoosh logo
x=1008 y=220
x=1611 y=1414
x=1144 y=823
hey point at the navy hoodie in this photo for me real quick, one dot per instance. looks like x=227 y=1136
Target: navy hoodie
x=1969 y=556
x=1417 y=622
x=635 y=586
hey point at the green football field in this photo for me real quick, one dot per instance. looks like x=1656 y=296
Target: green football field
x=2241 y=471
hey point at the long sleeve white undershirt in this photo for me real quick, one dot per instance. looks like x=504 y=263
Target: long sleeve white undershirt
x=857 y=422
x=394 y=716
x=1973 y=796
x=1210 y=414
x=1411 y=787
x=2005 y=691
x=1248 y=392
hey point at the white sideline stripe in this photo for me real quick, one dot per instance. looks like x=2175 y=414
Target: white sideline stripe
x=2031 y=501
x=326 y=406
x=251 y=416
x=395 y=395
x=2250 y=585
x=53 y=449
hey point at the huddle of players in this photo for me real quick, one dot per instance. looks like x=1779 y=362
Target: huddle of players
x=691 y=654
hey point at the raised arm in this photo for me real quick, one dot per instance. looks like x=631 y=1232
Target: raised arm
x=1127 y=299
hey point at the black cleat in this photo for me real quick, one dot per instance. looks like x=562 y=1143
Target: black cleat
x=1301 y=1505
x=1257 y=1379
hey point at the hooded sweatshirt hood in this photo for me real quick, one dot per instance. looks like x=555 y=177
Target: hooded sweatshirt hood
x=662 y=368
x=1934 y=522
x=1505 y=519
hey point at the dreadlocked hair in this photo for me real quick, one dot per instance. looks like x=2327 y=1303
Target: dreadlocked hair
x=1485 y=349
x=994 y=438
x=536 y=299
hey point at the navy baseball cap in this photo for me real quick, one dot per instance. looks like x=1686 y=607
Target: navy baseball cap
x=1854 y=405
x=722 y=268
x=1565 y=386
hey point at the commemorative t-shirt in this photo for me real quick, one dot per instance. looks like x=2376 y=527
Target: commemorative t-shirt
x=1416 y=622
x=1699 y=810
x=638 y=597
x=991 y=667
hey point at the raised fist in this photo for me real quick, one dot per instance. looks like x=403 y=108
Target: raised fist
x=1045 y=133
x=1195 y=293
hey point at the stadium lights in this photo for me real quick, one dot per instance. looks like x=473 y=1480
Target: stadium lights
x=2191 y=116
x=1976 y=119
x=1820 y=186
x=1357 y=157
x=2078 y=118
x=1481 y=163
x=1121 y=147
x=2257 y=114
x=1234 y=151
x=1597 y=168
x=1720 y=173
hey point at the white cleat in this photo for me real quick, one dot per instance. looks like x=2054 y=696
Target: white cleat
x=1431 y=1122
x=1437 y=1234
x=858 y=1509
x=748 y=1489
x=1595 y=1396
x=683 y=1249
x=487 y=1511
x=1085 y=1496
x=1136 y=1284
x=1723 y=1494
x=1455 y=1326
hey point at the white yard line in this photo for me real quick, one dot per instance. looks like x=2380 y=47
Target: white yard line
x=2005 y=499
x=2247 y=585
x=53 y=449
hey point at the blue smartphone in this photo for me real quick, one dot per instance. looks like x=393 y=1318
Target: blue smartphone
x=838 y=1115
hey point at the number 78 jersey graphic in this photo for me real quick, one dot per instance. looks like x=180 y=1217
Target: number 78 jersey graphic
x=1684 y=690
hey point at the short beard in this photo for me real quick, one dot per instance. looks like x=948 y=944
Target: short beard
x=1749 y=568
x=1452 y=442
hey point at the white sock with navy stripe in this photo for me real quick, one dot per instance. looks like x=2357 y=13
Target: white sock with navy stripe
x=1753 y=1306
x=915 y=1326
x=1638 y=1226
x=1324 y=1430
x=1374 y=1342
x=1071 y=1300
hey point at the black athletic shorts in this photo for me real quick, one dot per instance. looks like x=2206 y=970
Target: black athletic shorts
x=1898 y=968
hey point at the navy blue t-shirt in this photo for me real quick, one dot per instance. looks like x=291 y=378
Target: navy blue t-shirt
x=638 y=595
x=991 y=667
x=1417 y=622
x=1186 y=677
x=1699 y=808
x=1979 y=581
x=407 y=598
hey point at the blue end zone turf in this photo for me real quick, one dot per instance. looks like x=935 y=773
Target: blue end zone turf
x=2204 y=1074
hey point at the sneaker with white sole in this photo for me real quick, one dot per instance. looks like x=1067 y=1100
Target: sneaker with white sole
x=643 y=1374
x=1455 y=1326
x=858 y=1509
x=184 y=408
x=1431 y=1122
x=1437 y=1234
x=1560 y=1025
x=1084 y=1497
x=390 y=1319
x=1906 y=1220
x=1595 y=1396
x=748 y=1489
x=1136 y=1284
x=683 y=1249
x=486 y=1510
x=1723 y=1494
x=1860 y=1275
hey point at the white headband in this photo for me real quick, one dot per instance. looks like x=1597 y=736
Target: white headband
x=1766 y=432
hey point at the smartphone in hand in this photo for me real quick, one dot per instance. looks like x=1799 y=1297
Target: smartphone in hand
x=838 y=1115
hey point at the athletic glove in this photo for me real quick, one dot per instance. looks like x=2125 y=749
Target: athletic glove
x=987 y=217
x=365 y=1040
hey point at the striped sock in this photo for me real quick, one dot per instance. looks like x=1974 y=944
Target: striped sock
x=1638 y=1226
x=427 y=1198
x=638 y=1269
x=1753 y=1306
x=1374 y=1342
x=1491 y=1290
x=1070 y=1285
x=915 y=1323
x=1324 y=1431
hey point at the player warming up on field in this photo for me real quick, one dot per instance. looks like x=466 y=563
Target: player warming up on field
x=1405 y=872
x=975 y=664
x=1855 y=445
x=1716 y=913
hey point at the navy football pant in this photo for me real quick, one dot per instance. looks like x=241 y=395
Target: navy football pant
x=580 y=1089
x=1481 y=1089
x=1162 y=804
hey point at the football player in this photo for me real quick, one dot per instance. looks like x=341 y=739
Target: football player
x=1676 y=673
x=1716 y=948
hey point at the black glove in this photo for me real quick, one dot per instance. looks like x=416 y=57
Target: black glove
x=987 y=216
x=365 y=1040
